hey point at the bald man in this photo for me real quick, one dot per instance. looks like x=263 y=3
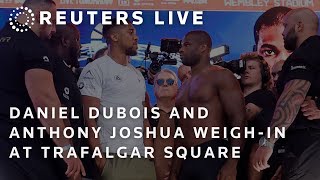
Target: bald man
x=184 y=73
x=217 y=90
x=65 y=47
x=299 y=78
x=65 y=44
x=27 y=82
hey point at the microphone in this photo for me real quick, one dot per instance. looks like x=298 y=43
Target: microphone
x=147 y=51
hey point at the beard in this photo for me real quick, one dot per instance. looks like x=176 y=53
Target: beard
x=131 y=51
x=44 y=34
x=75 y=62
x=74 y=56
x=187 y=61
x=191 y=61
x=290 y=41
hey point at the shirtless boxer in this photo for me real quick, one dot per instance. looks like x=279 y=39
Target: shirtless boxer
x=218 y=90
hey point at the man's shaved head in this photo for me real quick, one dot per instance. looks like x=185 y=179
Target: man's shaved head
x=64 y=31
x=306 y=16
x=300 y=24
x=68 y=30
x=201 y=37
x=66 y=43
x=38 y=4
x=43 y=31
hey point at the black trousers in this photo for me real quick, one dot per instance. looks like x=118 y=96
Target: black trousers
x=36 y=167
x=302 y=160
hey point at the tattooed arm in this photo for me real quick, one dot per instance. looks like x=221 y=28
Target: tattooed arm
x=288 y=105
x=286 y=111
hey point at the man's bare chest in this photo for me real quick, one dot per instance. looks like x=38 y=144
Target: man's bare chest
x=194 y=92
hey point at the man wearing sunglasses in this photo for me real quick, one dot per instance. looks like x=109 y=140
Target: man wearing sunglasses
x=165 y=89
x=216 y=89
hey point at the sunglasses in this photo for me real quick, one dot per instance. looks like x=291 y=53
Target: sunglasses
x=169 y=82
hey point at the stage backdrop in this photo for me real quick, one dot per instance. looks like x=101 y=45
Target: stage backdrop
x=229 y=22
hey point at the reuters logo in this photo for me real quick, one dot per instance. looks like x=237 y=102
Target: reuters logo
x=26 y=20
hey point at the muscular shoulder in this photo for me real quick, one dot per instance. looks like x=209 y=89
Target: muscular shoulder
x=220 y=74
x=99 y=65
x=33 y=48
x=221 y=77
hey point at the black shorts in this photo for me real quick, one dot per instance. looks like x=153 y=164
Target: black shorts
x=304 y=167
x=203 y=168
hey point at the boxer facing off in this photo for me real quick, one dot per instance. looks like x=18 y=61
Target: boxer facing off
x=216 y=89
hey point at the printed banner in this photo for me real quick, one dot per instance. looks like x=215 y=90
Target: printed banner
x=216 y=5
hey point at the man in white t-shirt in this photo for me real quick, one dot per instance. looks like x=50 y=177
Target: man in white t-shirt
x=112 y=82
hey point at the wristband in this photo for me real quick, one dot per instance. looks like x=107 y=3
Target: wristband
x=263 y=142
x=66 y=147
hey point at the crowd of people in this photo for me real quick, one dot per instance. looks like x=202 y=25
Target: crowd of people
x=279 y=87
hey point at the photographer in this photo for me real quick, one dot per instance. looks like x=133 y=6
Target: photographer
x=165 y=89
x=260 y=103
